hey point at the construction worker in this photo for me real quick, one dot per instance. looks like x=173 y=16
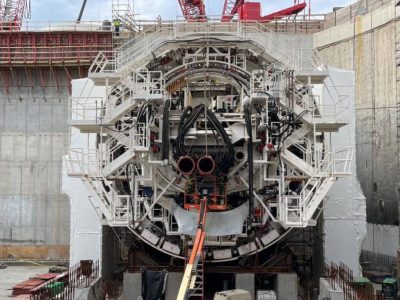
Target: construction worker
x=116 y=24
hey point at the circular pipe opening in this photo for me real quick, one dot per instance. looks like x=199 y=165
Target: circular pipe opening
x=206 y=165
x=239 y=155
x=186 y=165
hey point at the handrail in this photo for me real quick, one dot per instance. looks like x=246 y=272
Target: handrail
x=143 y=44
x=316 y=182
x=85 y=111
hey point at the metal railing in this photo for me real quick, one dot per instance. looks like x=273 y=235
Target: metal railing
x=342 y=160
x=86 y=109
x=340 y=278
x=120 y=210
x=136 y=50
x=336 y=163
x=81 y=275
x=81 y=163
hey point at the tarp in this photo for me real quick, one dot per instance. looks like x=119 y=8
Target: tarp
x=154 y=284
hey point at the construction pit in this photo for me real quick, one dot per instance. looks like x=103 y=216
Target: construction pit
x=241 y=156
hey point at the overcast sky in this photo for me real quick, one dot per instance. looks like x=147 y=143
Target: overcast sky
x=68 y=10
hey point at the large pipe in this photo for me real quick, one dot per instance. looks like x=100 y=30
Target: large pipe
x=186 y=165
x=206 y=165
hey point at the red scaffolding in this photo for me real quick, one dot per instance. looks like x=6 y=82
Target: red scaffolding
x=62 y=48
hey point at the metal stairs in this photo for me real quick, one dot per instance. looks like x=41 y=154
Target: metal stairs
x=197 y=280
x=121 y=137
x=115 y=114
x=297 y=162
x=117 y=163
x=115 y=208
x=297 y=136
x=313 y=200
x=298 y=209
x=100 y=198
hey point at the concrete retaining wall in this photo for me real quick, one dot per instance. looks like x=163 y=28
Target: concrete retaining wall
x=34 y=214
x=367 y=45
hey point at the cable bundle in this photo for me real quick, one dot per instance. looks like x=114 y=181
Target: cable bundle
x=224 y=159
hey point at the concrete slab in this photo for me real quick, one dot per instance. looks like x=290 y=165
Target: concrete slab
x=16 y=274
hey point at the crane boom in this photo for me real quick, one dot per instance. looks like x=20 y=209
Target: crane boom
x=189 y=277
x=231 y=8
x=193 y=10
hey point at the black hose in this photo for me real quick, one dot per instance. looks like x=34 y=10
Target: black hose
x=188 y=118
x=247 y=116
x=165 y=132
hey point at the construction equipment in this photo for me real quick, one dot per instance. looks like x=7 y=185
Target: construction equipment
x=231 y=8
x=193 y=10
x=12 y=12
x=81 y=11
x=196 y=257
x=293 y=10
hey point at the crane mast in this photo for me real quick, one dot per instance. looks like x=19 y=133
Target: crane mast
x=12 y=12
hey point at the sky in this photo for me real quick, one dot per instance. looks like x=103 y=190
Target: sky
x=68 y=10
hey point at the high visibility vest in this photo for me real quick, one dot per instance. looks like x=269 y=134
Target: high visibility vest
x=116 y=23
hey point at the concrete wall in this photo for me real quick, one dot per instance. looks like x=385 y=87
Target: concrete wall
x=367 y=45
x=34 y=214
x=246 y=282
x=383 y=239
x=287 y=286
x=347 y=14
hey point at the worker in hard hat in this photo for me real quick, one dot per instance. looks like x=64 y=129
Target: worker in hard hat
x=117 y=24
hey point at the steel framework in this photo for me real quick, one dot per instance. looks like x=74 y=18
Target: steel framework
x=230 y=9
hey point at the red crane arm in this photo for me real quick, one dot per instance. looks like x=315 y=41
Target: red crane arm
x=284 y=12
x=193 y=10
x=231 y=8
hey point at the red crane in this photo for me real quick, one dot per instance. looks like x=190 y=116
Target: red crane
x=12 y=12
x=252 y=11
x=193 y=10
x=231 y=8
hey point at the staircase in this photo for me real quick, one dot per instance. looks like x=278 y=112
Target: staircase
x=117 y=163
x=108 y=203
x=298 y=210
x=114 y=115
x=295 y=161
